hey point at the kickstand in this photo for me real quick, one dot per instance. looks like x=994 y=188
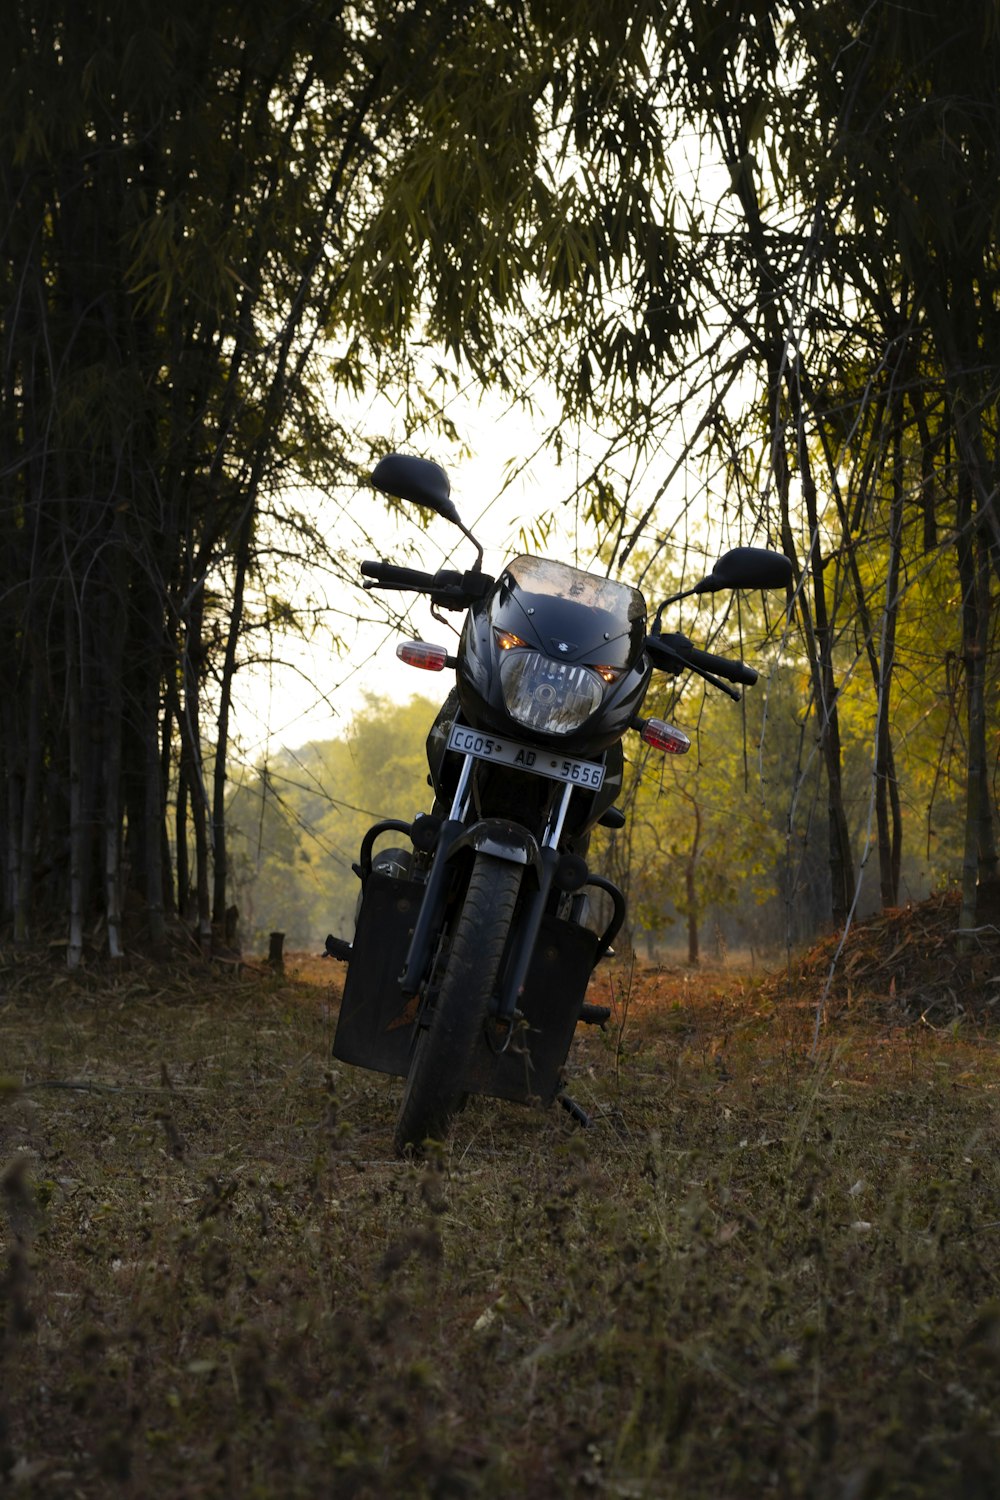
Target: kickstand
x=575 y=1111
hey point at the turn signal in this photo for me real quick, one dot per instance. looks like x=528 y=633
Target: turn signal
x=507 y=640
x=423 y=654
x=663 y=736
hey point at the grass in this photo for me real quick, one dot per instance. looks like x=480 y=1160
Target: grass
x=760 y=1273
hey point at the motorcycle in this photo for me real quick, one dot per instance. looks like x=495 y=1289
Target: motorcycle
x=472 y=950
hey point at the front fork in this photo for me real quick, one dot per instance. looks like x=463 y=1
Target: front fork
x=533 y=910
x=504 y=841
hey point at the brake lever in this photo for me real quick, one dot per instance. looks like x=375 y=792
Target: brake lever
x=678 y=664
x=716 y=682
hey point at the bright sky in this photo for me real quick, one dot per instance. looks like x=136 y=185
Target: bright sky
x=317 y=692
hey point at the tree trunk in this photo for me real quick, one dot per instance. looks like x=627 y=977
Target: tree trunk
x=29 y=806
x=887 y=811
x=153 y=841
x=14 y=884
x=691 y=889
x=817 y=634
x=785 y=407
x=115 y=612
x=150 y=806
x=74 y=942
x=692 y=916
x=979 y=859
x=192 y=781
x=222 y=731
x=183 y=872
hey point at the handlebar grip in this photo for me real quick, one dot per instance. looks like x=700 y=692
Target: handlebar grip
x=403 y=578
x=723 y=666
x=706 y=661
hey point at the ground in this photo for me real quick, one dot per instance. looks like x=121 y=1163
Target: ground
x=770 y=1268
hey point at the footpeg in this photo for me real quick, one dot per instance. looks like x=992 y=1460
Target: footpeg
x=338 y=948
x=612 y=818
x=595 y=1015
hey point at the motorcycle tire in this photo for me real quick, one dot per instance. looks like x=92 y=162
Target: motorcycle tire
x=433 y=1091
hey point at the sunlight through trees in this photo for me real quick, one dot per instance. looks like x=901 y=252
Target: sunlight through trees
x=747 y=250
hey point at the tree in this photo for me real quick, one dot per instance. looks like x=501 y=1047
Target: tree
x=296 y=822
x=716 y=833
x=214 y=217
x=209 y=215
x=166 y=225
x=854 y=257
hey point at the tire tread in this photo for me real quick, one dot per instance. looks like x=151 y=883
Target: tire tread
x=433 y=1089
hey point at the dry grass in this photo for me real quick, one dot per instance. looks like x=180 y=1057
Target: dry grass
x=759 y=1274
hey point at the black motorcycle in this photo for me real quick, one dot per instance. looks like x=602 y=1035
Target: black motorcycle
x=472 y=951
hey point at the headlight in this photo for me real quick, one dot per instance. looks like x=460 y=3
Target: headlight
x=551 y=697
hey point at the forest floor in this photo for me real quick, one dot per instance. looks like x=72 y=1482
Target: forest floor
x=771 y=1268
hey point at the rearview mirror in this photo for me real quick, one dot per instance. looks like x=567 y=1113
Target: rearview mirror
x=747 y=568
x=424 y=483
x=418 y=480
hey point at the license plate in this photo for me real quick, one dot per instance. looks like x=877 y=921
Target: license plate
x=539 y=762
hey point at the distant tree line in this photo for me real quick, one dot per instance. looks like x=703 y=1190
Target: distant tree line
x=750 y=243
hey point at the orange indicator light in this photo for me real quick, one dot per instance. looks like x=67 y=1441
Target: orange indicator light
x=507 y=640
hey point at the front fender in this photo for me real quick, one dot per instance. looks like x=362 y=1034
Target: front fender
x=501 y=838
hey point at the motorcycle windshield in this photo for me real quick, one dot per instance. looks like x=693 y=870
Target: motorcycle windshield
x=570 y=614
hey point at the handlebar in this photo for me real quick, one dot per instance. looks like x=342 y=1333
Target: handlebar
x=674 y=652
x=389 y=575
x=447 y=588
x=450 y=589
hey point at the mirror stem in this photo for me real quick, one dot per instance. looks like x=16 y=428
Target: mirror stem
x=477 y=566
x=699 y=588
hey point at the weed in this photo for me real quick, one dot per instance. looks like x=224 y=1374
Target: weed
x=757 y=1275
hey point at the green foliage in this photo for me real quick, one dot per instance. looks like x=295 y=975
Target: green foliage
x=860 y=274
x=704 y=837
x=762 y=239
x=296 y=823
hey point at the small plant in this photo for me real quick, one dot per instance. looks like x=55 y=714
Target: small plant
x=770 y=1278
x=621 y=996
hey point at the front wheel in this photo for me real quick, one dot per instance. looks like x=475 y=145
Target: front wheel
x=444 y=1046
